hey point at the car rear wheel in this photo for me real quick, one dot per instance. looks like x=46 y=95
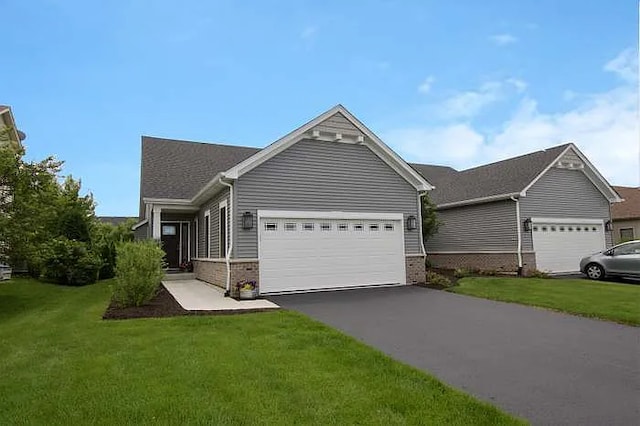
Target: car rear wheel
x=594 y=271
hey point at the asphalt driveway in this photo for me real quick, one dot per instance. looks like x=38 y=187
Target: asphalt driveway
x=547 y=367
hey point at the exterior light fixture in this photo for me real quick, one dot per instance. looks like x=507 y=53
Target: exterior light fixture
x=412 y=223
x=608 y=226
x=247 y=220
x=527 y=224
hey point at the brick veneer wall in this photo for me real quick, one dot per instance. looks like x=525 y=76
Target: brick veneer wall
x=415 y=269
x=212 y=271
x=507 y=262
x=244 y=271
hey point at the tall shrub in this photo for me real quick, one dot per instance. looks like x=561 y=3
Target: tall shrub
x=105 y=237
x=69 y=262
x=138 y=272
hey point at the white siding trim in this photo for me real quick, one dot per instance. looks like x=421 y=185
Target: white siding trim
x=207 y=219
x=328 y=215
x=478 y=200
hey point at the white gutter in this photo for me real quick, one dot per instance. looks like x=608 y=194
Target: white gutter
x=519 y=234
x=230 y=225
x=424 y=252
x=478 y=200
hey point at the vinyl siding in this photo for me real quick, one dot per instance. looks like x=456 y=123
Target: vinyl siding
x=324 y=176
x=480 y=227
x=142 y=232
x=338 y=123
x=563 y=193
x=214 y=205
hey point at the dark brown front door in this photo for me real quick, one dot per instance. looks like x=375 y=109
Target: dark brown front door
x=171 y=243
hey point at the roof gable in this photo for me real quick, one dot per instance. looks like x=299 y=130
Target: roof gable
x=336 y=124
x=506 y=178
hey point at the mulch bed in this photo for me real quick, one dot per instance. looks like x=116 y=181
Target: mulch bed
x=162 y=305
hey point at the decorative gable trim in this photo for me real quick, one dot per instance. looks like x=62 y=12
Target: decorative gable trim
x=314 y=130
x=572 y=158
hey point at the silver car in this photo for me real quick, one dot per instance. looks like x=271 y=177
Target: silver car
x=622 y=260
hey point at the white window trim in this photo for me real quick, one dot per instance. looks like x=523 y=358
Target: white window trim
x=207 y=218
x=223 y=205
x=197 y=237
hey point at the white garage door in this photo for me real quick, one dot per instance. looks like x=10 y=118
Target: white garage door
x=302 y=251
x=560 y=244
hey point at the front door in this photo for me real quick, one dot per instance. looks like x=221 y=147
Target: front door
x=171 y=243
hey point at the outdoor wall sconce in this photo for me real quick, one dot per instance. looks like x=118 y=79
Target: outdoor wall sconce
x=527 y=224
x=608 y=226
x=412 y=223
x=247 y=220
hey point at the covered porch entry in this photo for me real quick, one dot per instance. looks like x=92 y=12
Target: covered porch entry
x=176 y=229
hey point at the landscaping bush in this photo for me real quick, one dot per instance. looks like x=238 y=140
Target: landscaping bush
x=534 y=273
x=138 y=272
x=104 y=239
x=69 y=262
x=437 y=279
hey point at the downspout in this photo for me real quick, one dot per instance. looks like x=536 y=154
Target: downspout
x=519 y=230
x=230 y=224
x=424 y=252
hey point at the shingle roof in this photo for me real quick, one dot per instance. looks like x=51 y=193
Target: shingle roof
x=500 y=178
x=630 y=207
x=115 y=220
x=179 y=169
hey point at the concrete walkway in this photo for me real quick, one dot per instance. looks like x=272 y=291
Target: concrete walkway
x=194 y=295
x=548 y=367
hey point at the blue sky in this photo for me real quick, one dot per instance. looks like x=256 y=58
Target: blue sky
x=457 y=83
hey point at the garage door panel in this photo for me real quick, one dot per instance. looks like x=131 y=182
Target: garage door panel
x=329 y=253
x=559 y=245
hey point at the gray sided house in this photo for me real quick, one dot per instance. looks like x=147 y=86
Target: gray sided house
x=327 y=206
x=544 y=210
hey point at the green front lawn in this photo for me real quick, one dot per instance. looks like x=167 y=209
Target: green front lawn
x=604 y=300
x=61 y=364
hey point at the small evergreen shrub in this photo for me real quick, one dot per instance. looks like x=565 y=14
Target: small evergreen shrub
x=69 y=262
x=139 y=270
x=437 y=279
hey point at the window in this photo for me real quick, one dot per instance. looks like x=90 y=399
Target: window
x=343 y=227
x=270 y=226
x=562 y=229
x=169 y=230
x=325 y=227
x=374 y=227
x=544 y=229
x=290 y=227
x=535 y=229
x=631 y=248
x=553 y=229
x=207 y=234
x=626 y=234
x=308 y=226
x=594 y=229
x=578 y=229
x=388 y=226
x=222 y=230
x=358 y=227
x=570 y=228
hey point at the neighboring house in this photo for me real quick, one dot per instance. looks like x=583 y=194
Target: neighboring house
x=115 y=220
x=626 y=215
x=544 y=210
x=329 y=205
x=9 y=133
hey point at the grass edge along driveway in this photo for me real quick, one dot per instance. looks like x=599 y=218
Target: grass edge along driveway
x=595 y=299
x=60 y=363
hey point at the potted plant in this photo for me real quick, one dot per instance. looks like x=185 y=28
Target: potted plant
x=186 y=266
x=247 y=290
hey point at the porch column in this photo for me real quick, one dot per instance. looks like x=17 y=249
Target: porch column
x=156 y=222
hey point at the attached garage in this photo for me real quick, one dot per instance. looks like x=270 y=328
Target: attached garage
x=305 y=251
x=559 y=244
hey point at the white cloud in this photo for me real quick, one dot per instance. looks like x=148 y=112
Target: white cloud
x=503 y=39
x=309 y=32
x=471 y=103
x=625 y=65
x=605 y=126
x=425 y=87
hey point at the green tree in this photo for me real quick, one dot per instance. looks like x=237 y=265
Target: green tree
x=105 y=238
x=430 y=221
